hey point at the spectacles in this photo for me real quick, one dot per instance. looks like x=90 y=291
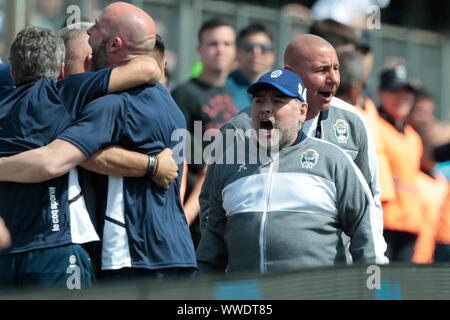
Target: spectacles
x=249 y=46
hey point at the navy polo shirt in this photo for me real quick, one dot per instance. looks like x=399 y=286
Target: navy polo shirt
x=52 y=213
x=145 y=226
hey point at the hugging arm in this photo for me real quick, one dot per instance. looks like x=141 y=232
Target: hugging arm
x=117 y=161
x=138 y=71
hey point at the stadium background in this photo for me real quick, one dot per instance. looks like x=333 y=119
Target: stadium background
x=416 y=30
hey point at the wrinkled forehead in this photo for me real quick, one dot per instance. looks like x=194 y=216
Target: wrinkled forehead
x=321 y=55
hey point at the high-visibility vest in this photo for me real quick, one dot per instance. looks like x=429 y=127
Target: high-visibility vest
x=385 y=180
x=434 y=194
x=404 y=152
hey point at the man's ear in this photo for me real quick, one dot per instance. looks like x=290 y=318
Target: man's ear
x=87 y=62
x=288 y=67
x=115 y=44
x=303 y=111
x=62 y=71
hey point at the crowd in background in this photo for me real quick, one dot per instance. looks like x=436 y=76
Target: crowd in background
x=417 y=223
x=411 y=143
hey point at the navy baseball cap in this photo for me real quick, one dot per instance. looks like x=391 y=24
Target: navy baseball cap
x=395 y=78
x=284 y=80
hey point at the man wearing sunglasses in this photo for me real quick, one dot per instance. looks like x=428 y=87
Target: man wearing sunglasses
x=256 y=56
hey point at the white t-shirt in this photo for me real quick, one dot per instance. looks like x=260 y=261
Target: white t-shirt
x=310 y=127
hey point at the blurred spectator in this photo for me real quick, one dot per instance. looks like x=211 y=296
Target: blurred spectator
x=341 y=36
x=159 y=53
x=403 y=217
x=349 y=12
x=171 y=68
x=207 y=103
x=351 y=90
x=49 y=14
x=364 y=47
x=442 y=250
x=6 y=82
x=432 y=186
x=441 y=155
x=299 y=11
x=433 y=189
x=432 y=131
x=256 y=56
x=422 y=112
x=351 y=68
x=171 y=59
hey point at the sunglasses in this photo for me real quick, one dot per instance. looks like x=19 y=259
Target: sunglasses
x=249 y=46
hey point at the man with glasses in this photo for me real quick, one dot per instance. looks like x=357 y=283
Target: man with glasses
x=256 y=56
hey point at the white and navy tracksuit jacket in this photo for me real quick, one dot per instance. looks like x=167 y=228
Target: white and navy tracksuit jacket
x=342 y=125
x=290 y=212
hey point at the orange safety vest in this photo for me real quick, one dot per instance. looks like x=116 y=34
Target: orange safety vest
x=434 y=194
x=385 y=180
x=404 y=152
x=443 y=232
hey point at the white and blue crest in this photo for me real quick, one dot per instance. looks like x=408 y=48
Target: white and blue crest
x=276 y=74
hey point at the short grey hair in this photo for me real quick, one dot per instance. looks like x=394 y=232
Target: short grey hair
x=71 y=34
x=351 y=70
x=73 y=31
x=36 y=53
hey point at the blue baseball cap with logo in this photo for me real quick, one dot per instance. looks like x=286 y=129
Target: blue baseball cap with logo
x=284 y=80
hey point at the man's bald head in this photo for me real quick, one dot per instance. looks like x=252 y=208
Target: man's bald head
x=300 y=45
x=121 y=32
x=133 y=24
x=315 y=60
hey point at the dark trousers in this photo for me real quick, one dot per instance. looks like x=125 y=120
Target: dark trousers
x=67 y=267
x=442 y=253
x=131 y=274
x=400 y=245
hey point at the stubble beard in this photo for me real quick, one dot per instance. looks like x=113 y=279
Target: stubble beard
x=279 y=139
x=99 y=59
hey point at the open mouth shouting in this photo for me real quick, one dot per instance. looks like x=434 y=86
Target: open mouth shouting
x=326 y=95
x=265 y=127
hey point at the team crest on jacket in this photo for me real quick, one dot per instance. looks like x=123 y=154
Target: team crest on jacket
x=310 y=159
x=342 y=131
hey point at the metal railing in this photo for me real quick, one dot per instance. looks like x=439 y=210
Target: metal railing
x=390 y=282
